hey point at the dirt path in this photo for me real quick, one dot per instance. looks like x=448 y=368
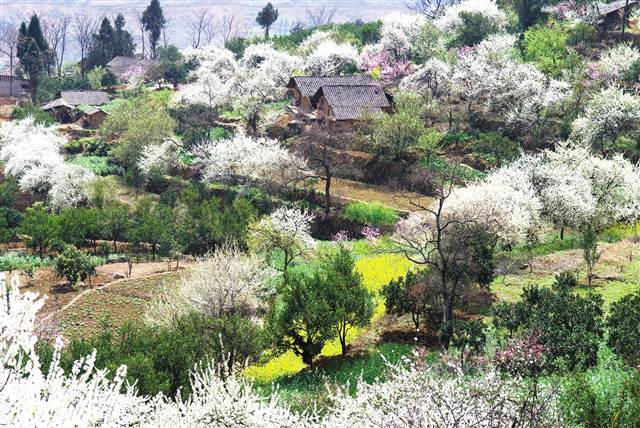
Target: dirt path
x=351 y=190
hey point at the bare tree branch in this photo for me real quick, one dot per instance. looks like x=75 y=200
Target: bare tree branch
x=84 y=26
x=55 y=31
x=202 y=27
x=320 y=15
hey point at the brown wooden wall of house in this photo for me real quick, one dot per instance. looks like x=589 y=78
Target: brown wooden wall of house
x=323 y=110
x=97 y=119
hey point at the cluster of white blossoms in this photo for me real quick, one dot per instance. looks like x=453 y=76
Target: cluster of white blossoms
x=567 y=187
x=616 y=61
x=243 y=158
x=286 y=224
x=609 y=114
x=331 y=58
x=576 y=187
x=259 y=76
x=401 y=35
x=312 y=42
x=227 y=281
x=159 y=157
x=32 y=154
x=490 y=78
x=451 y=19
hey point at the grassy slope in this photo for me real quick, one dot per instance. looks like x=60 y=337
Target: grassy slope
x=112 y=306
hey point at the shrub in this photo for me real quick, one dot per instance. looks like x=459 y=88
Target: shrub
x=30 y=110
x=98 y=164
x=582 y=34
x=21 y=261
x=75 y=265
x=624 y=328
x=371 y=214
x=74 y=146
x=570 y=325
x=496 y=148
x=398 y=132
x=593 y=400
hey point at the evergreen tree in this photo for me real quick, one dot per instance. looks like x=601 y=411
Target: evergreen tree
x=35 y=32
x=153 y=21
x=102 y=47
x=23 y=39
x=266 y=17
x=123 y=42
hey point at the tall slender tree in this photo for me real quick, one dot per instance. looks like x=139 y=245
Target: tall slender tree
x=154 y=21
x=123 y=41
x=102 y=45
x=266 y=17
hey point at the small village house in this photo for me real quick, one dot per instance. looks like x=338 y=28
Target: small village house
x=94 y=116
x=11 y=86
x=303 y=88
x=69 y=106
x=122 y=67
x=349 y=103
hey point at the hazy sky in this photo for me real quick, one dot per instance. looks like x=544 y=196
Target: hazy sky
x=178 y=12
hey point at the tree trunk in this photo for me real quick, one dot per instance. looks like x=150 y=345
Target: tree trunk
x=115 y=246
x=446 y=331
x=624 y=15
x=327 y=195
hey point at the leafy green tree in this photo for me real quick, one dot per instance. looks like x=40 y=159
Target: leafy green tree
x=350 y=303
x=589 y=245
x=78 y=225
x=154 y=21
x=266 y=17
x=529 y=11
x=402 y=130
x=411 y=294
x=75 y=265
x=547 y=46
x=469 y=337
x=475 y=28
x=623 y=325
x=174 y=68
x=152 y=226
x=300 y=319
x=134 y=124
x=39 y=228
x=115 y=222
x=570 y=325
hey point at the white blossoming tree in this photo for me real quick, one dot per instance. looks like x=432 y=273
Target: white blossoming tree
x=331 y=58
x=224 y=283
x=451 y=19
x=213 y=80
x=287 y=230
x=32 y=154
x=610 y=114
x=244 y=158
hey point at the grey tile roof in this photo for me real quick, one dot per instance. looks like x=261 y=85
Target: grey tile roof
x=354 y=113
x=57 y=103
x=120 y=64
x=309 y=85
x=607 y=8
x=92 y=98
x=351 y=102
